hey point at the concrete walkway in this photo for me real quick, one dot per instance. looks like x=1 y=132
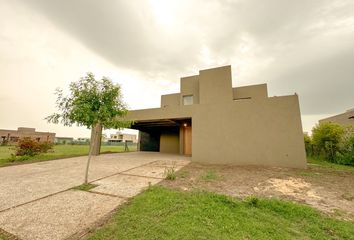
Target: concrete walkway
x=37 y=202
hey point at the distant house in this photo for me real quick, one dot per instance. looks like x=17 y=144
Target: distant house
x=122 y=137
x=63 y=140
x=344 y=119
x=12 y=136
x=83 y=140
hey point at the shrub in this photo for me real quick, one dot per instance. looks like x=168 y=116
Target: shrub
x=332 y=142
x=45 y=146
x=345 y=153
x=326 y=138
x=30 y=147
x=308 y=145
x=345 y=158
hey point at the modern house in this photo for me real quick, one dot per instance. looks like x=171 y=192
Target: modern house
x=122 y=137
x=344 y=119
x=213 y=122
x=12 y=136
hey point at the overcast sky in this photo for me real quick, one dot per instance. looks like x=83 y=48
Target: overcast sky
x=303 y=46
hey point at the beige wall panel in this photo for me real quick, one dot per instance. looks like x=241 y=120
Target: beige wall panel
x=215 y=85
x=190 y=86
x=255 y=92
x=162 y=113
x=250 y=133
x=169 y=143
x=170 y=100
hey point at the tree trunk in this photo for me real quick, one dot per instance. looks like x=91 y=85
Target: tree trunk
x=96 y=135
x=88 y=162
x=95 y=146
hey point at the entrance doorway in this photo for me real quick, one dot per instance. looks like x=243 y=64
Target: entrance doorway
x=187 y=140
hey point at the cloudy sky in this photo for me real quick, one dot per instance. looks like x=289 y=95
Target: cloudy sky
x=299 y=46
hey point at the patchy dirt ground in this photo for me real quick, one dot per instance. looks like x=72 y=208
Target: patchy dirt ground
x=329 y=190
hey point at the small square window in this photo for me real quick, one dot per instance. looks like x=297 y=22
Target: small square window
x=188 y=100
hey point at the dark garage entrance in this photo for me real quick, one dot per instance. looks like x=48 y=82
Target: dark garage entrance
x=166 y=135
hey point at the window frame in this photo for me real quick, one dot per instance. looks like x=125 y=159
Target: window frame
x=190 y=96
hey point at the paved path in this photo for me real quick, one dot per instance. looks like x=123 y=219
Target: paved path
x=37 y=202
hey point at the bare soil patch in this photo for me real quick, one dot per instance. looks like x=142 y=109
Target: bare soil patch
x=329 y=190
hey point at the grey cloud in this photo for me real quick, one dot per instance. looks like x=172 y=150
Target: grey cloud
x=326 y=85
x=122 y=32
x=298 y=35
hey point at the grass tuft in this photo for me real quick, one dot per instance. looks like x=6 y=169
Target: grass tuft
x=209 y=176
x=170 y=174
x=252 y=201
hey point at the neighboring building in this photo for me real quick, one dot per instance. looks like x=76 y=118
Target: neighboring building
x=63 y=140
x=122 y=137
x=215 y=123
x=104 y=138
x=344 y=119
x=12 y=136
x=83 y=140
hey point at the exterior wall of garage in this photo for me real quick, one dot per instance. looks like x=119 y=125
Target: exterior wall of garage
x=232 y=125
x=169 y=142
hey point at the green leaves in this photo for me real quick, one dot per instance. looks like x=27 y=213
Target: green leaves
x=334 y=142
x=326 y=132
x=90 y=102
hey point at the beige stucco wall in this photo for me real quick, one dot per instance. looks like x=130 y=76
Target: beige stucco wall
x=254 y=91
x=162 y=113
x=256 y=131
x=169 y=143
x=250 y=133
x=215 y=85
x=190 y=86
x=170 y=100
x=247 y=132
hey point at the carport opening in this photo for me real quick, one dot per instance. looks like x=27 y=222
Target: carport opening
x=165 y=136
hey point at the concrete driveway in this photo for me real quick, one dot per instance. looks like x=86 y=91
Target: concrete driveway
x=37 y=202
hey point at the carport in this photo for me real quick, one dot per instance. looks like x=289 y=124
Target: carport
x=165 y=135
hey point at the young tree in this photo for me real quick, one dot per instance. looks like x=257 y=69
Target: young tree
x=92 y=103
x=326 y=137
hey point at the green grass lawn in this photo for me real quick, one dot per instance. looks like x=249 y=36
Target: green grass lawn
x=59 y=151
x=325 y=164
x=161 y=213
